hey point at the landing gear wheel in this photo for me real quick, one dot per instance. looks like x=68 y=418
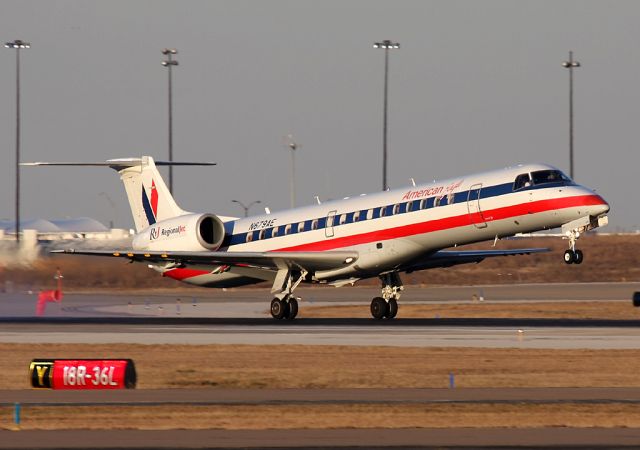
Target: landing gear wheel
x=292 y=309
x=278 y=308
x=569 y=256
x=578 y=257
x=392 y=309
x=379 y=308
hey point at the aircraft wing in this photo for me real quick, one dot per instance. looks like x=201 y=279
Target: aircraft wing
x=448 y=258
x=308 y=261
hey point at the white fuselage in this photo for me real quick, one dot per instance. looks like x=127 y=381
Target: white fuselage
x=389 y=229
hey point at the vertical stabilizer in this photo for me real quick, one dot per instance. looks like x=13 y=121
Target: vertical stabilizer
x=149 y=197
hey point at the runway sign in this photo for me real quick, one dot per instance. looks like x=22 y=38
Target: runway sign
x=82 y=374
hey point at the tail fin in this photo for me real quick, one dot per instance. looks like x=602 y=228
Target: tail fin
x=149 y=197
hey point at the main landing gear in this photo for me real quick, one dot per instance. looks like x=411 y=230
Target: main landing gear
x=285 y=305
x=386 y=307
x=286 y=308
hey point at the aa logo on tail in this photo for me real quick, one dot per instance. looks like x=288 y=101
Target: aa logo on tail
x=150 y=203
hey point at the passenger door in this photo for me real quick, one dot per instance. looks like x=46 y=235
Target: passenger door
x=331 y=218
x=473 y=206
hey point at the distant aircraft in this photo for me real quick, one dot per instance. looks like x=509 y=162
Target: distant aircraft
x=343 y=241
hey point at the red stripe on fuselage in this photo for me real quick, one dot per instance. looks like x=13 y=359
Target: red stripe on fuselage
x=449 y=222
x=182 y=274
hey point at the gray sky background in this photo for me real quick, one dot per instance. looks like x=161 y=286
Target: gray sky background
x=476 y=85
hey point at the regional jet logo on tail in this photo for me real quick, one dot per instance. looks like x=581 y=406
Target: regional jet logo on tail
x=150 y=204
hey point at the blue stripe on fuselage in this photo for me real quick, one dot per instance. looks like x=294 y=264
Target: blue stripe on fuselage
x=458 y=197
x=147 y=208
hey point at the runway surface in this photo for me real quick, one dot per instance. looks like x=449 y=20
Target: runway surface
x=364 y=332
x=528 y=438
x=241 y=317
x=254 y=303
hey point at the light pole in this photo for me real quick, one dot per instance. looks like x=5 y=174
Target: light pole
x=169 y=63
x=570 y=65
x=246 y=208
x=17 y=45
x=386 y=45
x=293 y=146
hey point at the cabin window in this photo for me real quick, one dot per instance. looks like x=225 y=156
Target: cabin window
x=409 y=206
x=262 y=234
x=300 y=227
x=423 y=203
x=383 y=211
x=436 y=202
x=369 y=214
x=314 y=224
x=356 y=216
x=343 y=219
x=249 y=236
x=396 y=209
x=287 y=229
x=522 y=181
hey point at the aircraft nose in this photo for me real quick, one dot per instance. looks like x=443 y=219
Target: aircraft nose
x=599 y=207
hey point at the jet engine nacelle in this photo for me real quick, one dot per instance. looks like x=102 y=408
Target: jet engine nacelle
x=190 y=232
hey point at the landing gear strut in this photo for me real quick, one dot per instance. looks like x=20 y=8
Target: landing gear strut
x=387 y=305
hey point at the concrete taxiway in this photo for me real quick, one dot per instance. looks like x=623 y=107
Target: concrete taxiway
x=290 y=396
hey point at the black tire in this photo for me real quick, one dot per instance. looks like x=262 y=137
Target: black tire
x=568 y=256
x=392 y=309
x=578 y=257
x=379 y=308
x=292 y=309
x=278 y=308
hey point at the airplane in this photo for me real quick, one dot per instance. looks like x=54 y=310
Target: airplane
x=342 y=241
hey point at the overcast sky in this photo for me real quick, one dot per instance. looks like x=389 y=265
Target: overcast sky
x=476 y=85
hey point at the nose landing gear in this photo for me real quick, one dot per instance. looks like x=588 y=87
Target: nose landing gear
x=573 y=256
x=572 y=232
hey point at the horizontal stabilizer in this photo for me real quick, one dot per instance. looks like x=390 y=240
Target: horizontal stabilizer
x=118 y=164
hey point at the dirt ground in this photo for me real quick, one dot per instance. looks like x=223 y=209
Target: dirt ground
x=238 y=417
x=297 y=366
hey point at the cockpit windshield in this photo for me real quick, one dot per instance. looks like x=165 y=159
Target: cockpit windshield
x=540 y=177
x=549 y=176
